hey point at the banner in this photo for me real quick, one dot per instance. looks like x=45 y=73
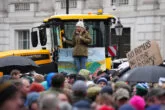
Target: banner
x=146 y=54
x=96 y=58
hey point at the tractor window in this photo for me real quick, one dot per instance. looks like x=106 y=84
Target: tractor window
x=69 y=28
x=55 y=35
x=96 y=29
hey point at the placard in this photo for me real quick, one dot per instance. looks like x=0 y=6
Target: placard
x=146 y=54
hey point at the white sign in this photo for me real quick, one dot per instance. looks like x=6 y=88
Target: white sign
x=94 y=54
x=96 y=57
x=161 y=81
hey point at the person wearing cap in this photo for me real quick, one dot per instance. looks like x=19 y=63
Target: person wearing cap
x=121 y=96
x=79 y=89
x=153 y=96
x=156 y=99
x=142 y=89
x=81 y=39
x=85 y=73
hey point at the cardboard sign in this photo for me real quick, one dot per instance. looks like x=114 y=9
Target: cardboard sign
x=146 y=54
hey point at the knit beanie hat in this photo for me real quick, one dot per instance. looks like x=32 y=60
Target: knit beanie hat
x=102 y=79
x=80 y=23
x=137 y=102
x=141 y=89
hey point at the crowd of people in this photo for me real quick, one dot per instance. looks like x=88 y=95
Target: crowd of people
x=81 y=91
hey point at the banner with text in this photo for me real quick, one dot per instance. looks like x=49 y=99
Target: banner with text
x=146 y=54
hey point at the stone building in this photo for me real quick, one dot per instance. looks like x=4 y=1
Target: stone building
x=142 y=20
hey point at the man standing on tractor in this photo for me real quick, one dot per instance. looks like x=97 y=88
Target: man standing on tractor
x=81 y=39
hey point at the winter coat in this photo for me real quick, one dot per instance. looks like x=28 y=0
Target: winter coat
x=52 y=90
x=80 y=44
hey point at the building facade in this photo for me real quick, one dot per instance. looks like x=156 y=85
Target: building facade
x=142 y=20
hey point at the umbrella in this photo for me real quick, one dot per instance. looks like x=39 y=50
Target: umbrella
x=23 y=64
x=144 y=74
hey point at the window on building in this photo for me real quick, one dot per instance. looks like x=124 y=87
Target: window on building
x=119 y=2
x=23 y=39
x=124 y=41
x=72 y=3
x=113 y=2
x=22 y=6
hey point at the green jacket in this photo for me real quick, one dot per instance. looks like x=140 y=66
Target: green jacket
x=52 y=90
x=80 y=44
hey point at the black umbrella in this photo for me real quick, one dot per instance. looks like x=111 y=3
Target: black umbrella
x=23 y=64
x=144 y=74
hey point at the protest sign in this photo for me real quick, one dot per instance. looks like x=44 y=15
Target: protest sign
x=146 y=54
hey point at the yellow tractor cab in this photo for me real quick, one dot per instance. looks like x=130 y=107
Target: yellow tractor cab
x=98 y=25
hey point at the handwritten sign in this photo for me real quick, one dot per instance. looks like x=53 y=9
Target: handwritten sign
x=146 y=54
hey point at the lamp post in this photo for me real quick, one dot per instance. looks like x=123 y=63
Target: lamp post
x=119 y=31
x=67 y=6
